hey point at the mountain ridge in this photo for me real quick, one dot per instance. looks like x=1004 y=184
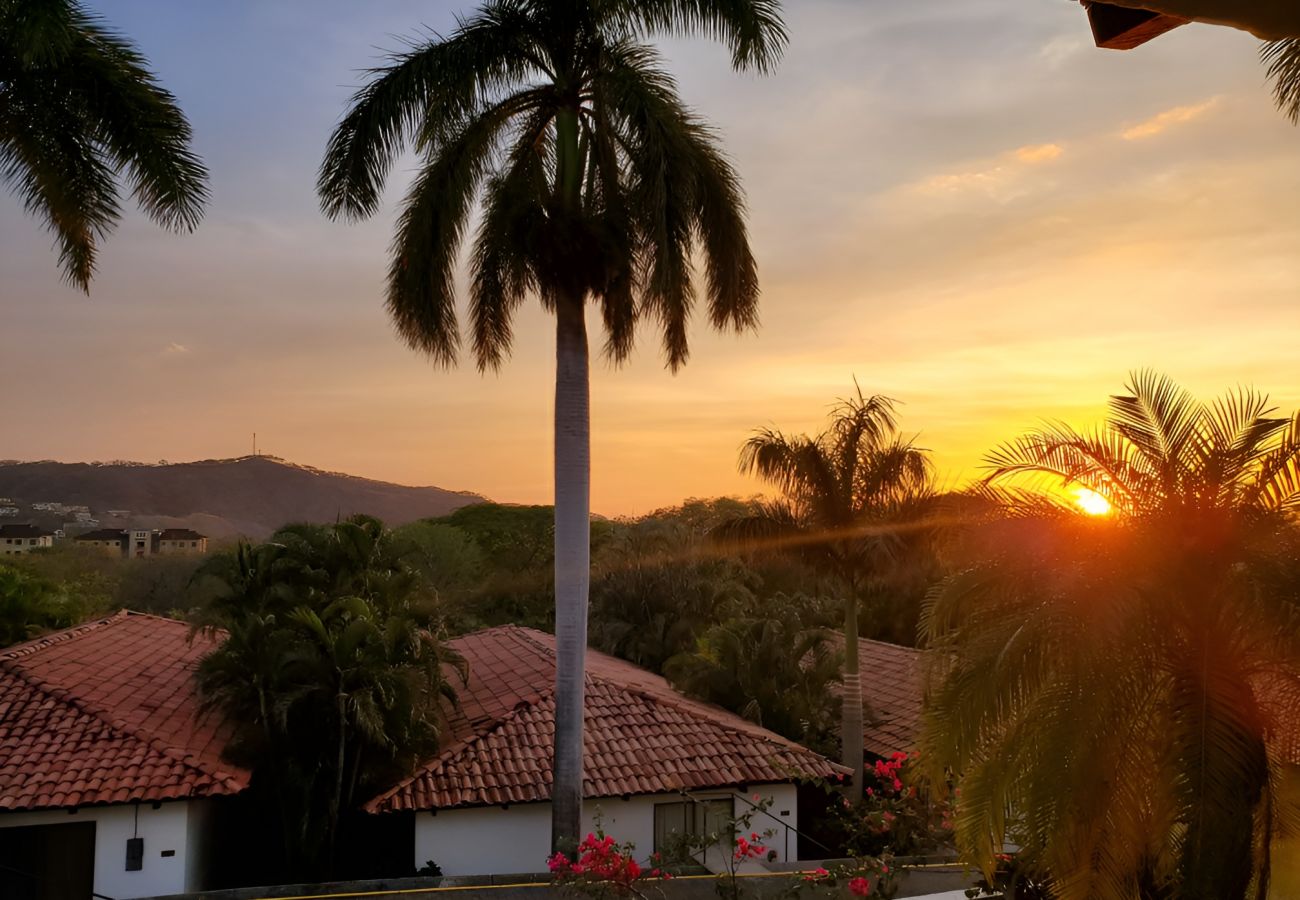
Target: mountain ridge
x=244 y=495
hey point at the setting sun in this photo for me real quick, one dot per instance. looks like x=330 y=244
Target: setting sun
x=1091 y=502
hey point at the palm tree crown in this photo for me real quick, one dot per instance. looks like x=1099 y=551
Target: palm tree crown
x=844 y=491
x=595 y=178
x=1113 y=691
x=78 y=106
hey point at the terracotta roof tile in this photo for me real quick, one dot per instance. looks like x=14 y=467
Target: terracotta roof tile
x=107 y=713
x=892 y=693
x=640 y=735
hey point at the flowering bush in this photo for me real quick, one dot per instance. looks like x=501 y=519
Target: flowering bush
x=748 y=848
x=602 y=866
x=896 y=812
x=865 y=877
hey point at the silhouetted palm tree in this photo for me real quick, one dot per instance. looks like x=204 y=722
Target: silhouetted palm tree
x=77 y=108
x=844 y=490
x=596 y=183
x=1113 y=690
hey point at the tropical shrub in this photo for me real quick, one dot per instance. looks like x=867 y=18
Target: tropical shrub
x=1115 y=693
x=331 y=668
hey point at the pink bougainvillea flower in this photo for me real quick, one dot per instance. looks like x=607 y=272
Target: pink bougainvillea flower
x=859 y=887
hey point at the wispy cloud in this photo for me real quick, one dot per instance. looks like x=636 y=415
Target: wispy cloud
x=1161 y=122
x=175 y=349
x=1000 y=177
x=1036 y=153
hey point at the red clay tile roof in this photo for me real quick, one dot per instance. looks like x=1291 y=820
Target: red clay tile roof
x=106 y=713
x=640 y=735
x=892 y=689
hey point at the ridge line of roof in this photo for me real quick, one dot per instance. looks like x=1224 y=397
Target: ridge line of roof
x=36 y=644
x=54 y=638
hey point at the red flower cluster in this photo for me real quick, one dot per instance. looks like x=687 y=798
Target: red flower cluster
x=860 y=887
x=886 y=770
x=601 y=860
x=816 y=876
x=748 y=848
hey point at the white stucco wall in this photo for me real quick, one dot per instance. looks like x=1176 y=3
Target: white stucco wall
x=175 y=826
x=496 y=841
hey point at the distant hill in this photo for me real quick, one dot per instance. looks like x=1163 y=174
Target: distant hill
x=250 y=495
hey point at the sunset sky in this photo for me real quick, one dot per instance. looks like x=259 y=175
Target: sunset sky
x=960 y=202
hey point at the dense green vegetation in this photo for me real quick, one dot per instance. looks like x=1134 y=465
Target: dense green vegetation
x=332 y=669
x=77 y=583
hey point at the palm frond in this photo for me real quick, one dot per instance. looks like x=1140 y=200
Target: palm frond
x=80 y=106
x=139 y=124
x=421 y=276
x=753 y=29
x=504 y=250
x=428 y=91
x=1283 y=61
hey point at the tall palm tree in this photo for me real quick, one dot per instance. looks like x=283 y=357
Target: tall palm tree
x=78 y=106
x=845 y=491
x=596 y=183
x=1112 y=690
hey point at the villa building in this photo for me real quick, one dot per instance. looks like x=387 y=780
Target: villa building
x=180 y=542
x=658 y=765
x=19 y=539
x=142 y=542
x=107 y=541
x=108 y=773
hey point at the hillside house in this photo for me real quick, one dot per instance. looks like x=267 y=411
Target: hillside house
x=108 y=777
x=180 y=542
x=658 y=765
x=108 y=541
x=19 y=539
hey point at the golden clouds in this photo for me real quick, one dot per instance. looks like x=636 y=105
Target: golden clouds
x=1036 y=153
x=1179 y=115
x=1000 y=178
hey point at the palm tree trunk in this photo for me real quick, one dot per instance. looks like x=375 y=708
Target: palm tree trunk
x=852 y=749
x=572 y=564
x=336 y=798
